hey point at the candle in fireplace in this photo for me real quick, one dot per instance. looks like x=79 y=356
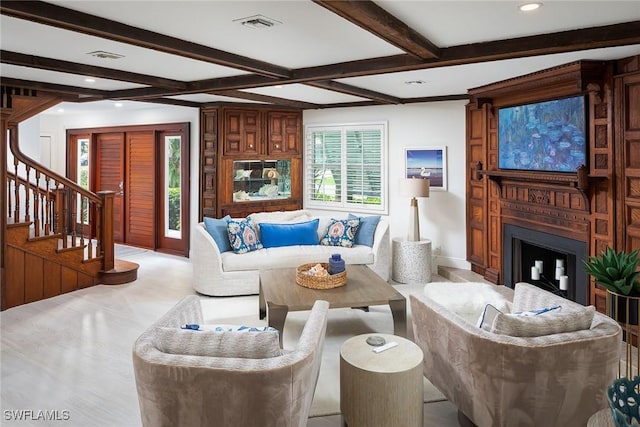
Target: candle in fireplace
x=538 y=264
x=559 y=272
x=564 y=282
x=535 y=273
x=559 y=263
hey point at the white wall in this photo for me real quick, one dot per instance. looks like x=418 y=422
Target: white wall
x=442 y=215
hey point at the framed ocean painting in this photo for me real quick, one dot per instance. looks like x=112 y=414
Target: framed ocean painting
x=428 y=162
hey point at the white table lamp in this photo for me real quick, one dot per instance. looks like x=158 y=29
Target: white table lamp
x=414 y=188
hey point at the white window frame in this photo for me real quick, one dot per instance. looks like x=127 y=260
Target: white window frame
x=343 y=204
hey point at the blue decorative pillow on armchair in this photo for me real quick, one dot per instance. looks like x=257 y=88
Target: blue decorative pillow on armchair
x=341 y=232
x=242 y=236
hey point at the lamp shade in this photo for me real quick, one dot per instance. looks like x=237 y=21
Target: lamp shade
x=414 y=187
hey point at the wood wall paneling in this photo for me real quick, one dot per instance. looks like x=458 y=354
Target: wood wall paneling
x=540 y=201
x=13 y=291
x=33 y=278
x=208 y=162
x=69 y=279
x=52 y=282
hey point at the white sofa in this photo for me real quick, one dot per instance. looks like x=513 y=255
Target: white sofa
x=228 y=273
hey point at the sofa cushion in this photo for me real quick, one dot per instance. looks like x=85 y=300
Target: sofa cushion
x=301 y=233
x=367 y=229
x=217 y=228
x=548 y=323
x=211 y=343
x=341 y=232
x=293 y=256
x=242 y=236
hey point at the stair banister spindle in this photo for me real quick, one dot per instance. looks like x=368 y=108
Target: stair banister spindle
x=16 y=190
x=27 y=191
x=36 y=205
x=9 y=197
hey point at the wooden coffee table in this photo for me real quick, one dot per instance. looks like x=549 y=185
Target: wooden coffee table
x=280 y=293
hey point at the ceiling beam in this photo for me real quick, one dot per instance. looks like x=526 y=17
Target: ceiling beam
x=50 y=64
x=96 y=94
x=544 y=44
x=266 y=98
x=69 y=19
x=355 y=91
x=566 y=41
x=374 y=19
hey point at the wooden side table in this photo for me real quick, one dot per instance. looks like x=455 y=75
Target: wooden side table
x=411 y=261
x=381 y=389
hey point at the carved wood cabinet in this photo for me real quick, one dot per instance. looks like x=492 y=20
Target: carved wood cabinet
x=263 y=144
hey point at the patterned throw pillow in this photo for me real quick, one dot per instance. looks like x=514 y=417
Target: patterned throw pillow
x=242 y=236
x=341 y=232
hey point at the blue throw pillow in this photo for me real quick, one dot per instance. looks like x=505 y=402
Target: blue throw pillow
x=300 y=233
x=218 y=230
x=341 y=232
x=367 y=229
x=242 y=236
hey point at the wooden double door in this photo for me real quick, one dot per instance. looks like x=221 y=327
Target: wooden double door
x=147 y=169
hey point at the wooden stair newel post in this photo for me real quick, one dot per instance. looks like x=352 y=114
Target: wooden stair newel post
x=106 y=232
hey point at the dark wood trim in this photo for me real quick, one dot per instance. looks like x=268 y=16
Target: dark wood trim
x=355 y=91
x=374 y=19
x=266 y=98
x=69 y=19
x=96 y=94
x=32 y=61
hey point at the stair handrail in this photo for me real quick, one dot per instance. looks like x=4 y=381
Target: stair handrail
x=104 y=200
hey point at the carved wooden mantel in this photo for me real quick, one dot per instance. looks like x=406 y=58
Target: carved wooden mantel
x=575 y=205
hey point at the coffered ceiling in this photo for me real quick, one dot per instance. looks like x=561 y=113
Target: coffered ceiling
x=300 y=53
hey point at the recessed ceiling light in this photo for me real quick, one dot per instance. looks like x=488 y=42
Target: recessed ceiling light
x=257 y=21
x=528 y=7
x=89 y=80
x=415 y=82
x=60 y=110
x=118 y=104
x=101 y=54
x=278 y=86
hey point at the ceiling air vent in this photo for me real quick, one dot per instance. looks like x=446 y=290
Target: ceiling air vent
x=258 y=21
x=101 y=54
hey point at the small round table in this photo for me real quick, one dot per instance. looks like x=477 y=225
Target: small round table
x=411 y=260
x=381 y=389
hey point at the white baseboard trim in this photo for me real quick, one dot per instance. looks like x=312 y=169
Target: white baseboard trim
x=450 y=262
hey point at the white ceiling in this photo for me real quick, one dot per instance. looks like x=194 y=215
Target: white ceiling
x=308 y=36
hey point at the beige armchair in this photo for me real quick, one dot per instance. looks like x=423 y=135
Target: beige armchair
x=499 y=380
x=183 y=390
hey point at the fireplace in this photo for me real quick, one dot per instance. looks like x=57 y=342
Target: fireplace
x=523 y=247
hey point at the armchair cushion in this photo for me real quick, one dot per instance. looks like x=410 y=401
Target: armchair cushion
x=551 y=322
x=213 y=343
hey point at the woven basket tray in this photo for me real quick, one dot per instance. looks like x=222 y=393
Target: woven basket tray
x=314 y=282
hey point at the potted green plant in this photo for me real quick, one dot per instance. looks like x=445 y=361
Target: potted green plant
x=617 y=272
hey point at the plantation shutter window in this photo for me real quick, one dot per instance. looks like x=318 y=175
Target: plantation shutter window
x=345 y=167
